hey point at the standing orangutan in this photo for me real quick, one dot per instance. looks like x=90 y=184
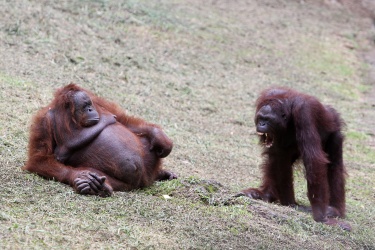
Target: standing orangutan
x=92 y=145
x=292 y=126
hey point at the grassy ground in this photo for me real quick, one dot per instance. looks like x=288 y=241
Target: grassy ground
x=196 y=68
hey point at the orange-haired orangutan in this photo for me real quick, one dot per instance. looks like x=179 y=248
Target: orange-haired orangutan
x=91 y=144
x=293 y=126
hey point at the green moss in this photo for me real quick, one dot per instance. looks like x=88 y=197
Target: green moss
x=163 y=187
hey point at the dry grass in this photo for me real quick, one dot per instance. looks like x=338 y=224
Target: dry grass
x=195 y=67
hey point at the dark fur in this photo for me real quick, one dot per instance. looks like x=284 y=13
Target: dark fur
x=296 y=126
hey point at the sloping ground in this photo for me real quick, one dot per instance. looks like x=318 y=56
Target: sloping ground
x=195 y=67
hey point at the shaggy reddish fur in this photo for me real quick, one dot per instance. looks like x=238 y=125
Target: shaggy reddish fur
x=293 y=126
x=122 y=155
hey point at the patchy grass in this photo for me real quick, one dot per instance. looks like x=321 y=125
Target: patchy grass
x=360 y=150
x=196 y=68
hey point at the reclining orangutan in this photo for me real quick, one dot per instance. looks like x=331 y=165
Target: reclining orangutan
x=91 y=144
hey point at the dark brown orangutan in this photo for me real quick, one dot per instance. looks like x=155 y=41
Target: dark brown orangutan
x=92 y=145
x=294 y=126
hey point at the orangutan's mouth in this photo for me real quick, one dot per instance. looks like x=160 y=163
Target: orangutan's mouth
x=266 y=139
